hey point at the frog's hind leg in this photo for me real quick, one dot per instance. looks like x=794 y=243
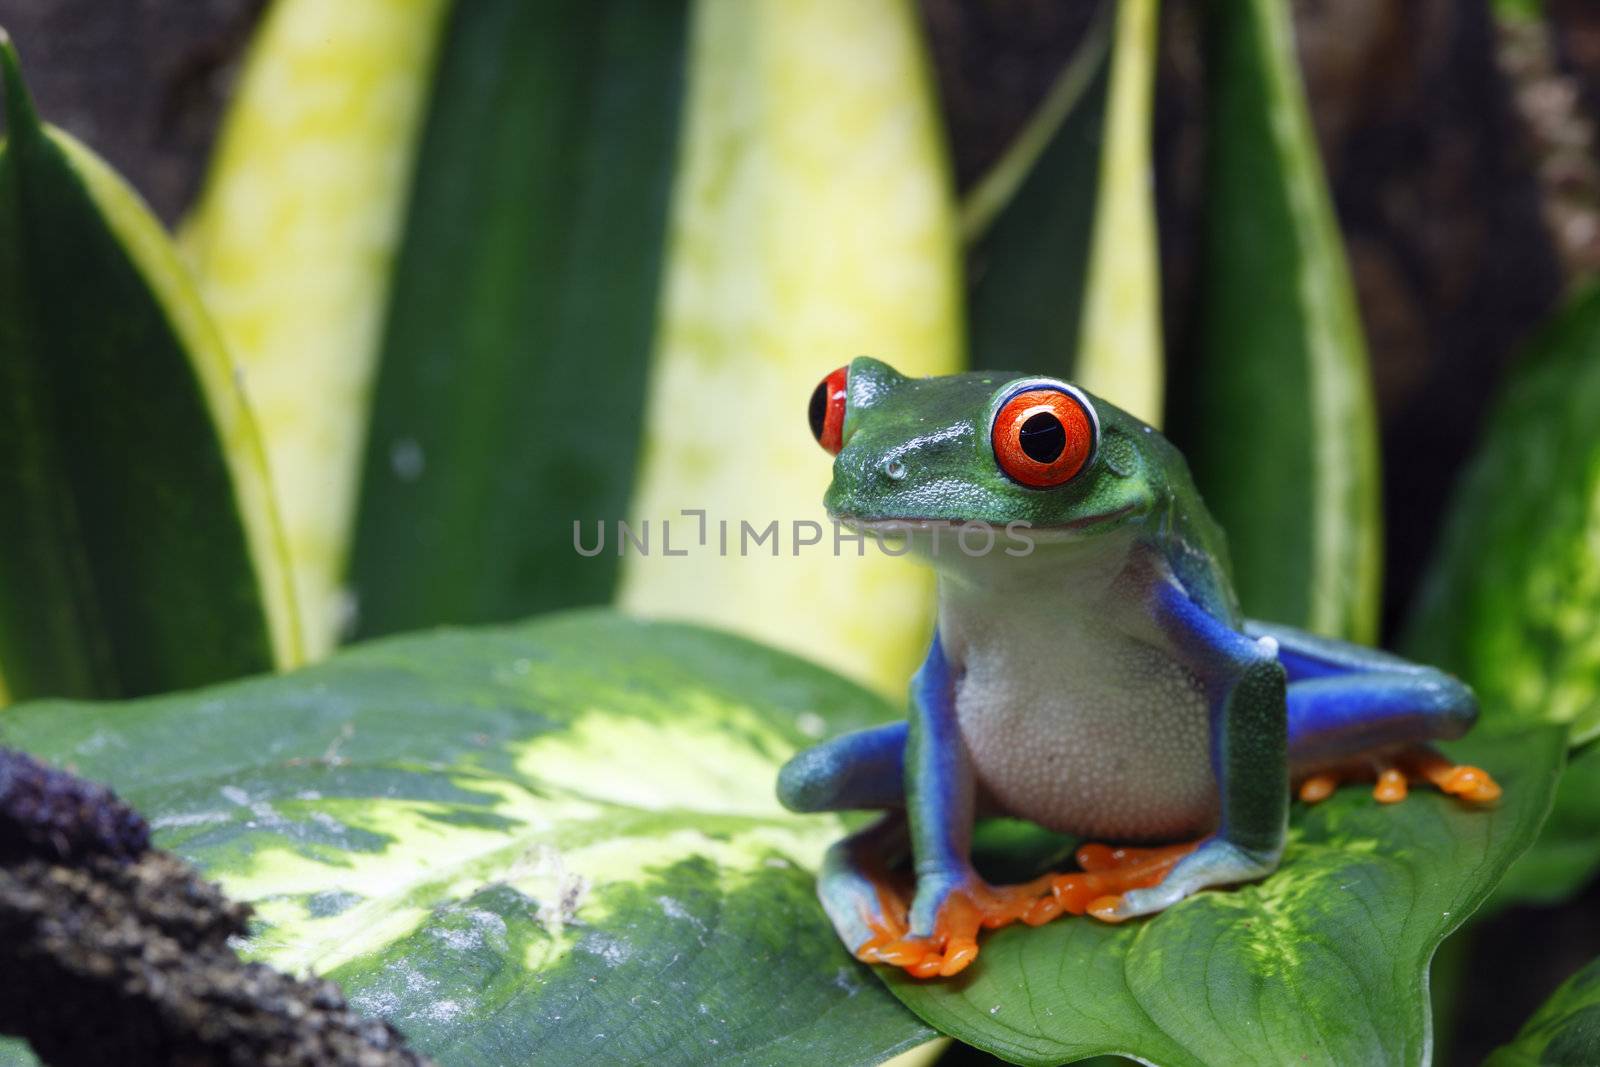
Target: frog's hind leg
x=860 y=889
x=1356 y=713
x=865 y=889
x=860 y=771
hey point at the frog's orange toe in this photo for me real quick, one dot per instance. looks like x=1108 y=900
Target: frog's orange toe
x=1391 y=787
x=1469 y=783
x=1107 y=874
x=1106 y=908
x=953 y=944
x=1318 y=787
x=1393 y=778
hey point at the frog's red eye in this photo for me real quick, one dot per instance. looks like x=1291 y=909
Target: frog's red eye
x=827 y=411
x=1043 y=437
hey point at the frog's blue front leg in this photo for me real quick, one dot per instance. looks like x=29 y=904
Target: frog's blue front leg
x=1245 y=685
x=934 y=931
x=940 y=789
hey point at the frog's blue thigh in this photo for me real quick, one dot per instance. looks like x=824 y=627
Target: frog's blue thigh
x=1345 y=699
x=864 y=770
x=1246 y=685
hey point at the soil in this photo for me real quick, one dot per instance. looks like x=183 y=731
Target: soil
x=114 y=952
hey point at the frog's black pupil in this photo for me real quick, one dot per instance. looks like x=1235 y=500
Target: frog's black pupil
x=819 y=409
x=1043 y=438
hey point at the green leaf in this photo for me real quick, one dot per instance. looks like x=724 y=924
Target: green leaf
x=1276 y=416
x=139 y=549
x=1119 y=352
x=293 y=245
x=511 y=374
x=1566 y=855
x=1324 y=962
x=1512 y=603
x=556 y=842
x=1030 y=220
x=813 y=221
x=1564 y=1032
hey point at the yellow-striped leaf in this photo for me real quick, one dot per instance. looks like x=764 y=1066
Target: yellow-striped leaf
x=293 y=244
x=1277 y=417
x=139 y=547
x=813 y=222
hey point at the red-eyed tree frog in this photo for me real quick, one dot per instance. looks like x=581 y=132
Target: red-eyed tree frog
x=1090 y=672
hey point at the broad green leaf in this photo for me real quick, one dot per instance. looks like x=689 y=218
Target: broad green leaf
x=511 y=374
x=1516 y=12
x=813 y=222
x=293 y=245
x=1566 y=855
x=1029 y=224
x=1324 y=962
x=1512 y=603
x=555 y=842
x=1277 y=417
x=1564 y=1032
x=1119 y=353
x=139 y=548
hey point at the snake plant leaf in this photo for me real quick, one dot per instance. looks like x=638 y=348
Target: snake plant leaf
x=1564 y=1032
x=293 y=246
x=554 y=842
x=1028 y=224
x=1119 y=353
x=139 y=548
x=1324 y=962
x=813 y=223
x=1276 y=413
x=511 y=373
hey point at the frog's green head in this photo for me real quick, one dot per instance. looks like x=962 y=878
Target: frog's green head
x=992 y=447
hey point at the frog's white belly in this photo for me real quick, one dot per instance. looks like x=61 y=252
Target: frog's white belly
x=1080 y=727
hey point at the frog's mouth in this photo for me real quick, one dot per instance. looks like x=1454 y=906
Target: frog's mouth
x=882 y=527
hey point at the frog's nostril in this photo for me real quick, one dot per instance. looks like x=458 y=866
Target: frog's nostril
x=894 y=469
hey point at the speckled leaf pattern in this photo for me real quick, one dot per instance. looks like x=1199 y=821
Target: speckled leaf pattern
x=1324 y=962
x=554 y=843
x=1564 y=1032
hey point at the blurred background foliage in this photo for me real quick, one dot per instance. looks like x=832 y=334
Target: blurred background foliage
x=661 y=207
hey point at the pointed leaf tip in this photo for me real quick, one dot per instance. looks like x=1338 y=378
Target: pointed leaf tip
x=19 y=111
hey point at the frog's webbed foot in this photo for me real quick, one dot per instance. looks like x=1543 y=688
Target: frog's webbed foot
x=1189 y=868
x=1106 y=873
x=1395 y=771
x=965 y=905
